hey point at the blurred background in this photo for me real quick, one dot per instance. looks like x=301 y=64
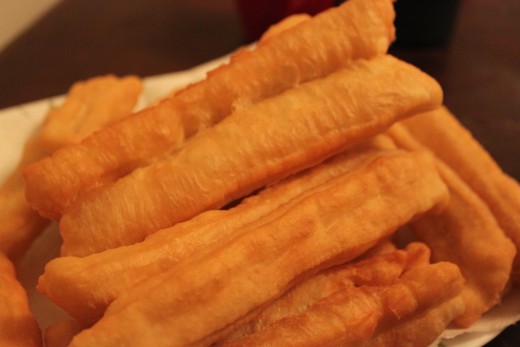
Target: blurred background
x=472 y=47
x=18 y=15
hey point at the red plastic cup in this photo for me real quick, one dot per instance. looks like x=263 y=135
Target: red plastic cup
x=258 y=15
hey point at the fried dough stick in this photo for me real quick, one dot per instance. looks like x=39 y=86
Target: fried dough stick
x=313 y=49
x=361 y=29
x=351 y=316
x=89 y=106
x=421 y=329
x=251 y=148
x=195 y=301
x=385 y=246
x=18 y=327
x=467 y=234
x=284 y=24
x=85 y=286
x=377 y=270
x=453 y=144
x=61 y=333
x=104 y=156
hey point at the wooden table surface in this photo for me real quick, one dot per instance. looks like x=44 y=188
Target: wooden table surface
x=479 y=68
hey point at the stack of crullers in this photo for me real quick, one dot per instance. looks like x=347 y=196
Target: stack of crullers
x=314 y=191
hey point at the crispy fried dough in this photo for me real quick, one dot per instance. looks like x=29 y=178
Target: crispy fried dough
x=61 y=333
x=75 y=283
x=378 y=270
x=89 y=106
x=106 y=155
x=19 y=223
x=453 y=144
x=18 y=326
x=467 y=234
x=193 y=302
x=344 y=318
x=251 y=148
x=284 y=24
x=385 y=246
x=351 y=315
x=419 y=330
x=310 y=50
x=317 y=47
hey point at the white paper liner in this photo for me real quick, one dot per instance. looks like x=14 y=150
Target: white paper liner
x=493 y=322
x=17 y=124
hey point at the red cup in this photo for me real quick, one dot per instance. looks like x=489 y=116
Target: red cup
x=258 y=15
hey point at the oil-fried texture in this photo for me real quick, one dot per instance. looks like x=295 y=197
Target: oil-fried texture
x=467 y=234
x=284 y=24
x=453 y=144
x=352 y=315
x=61 y=333
x=19 y=223
x=317 y=47
x=385 y=246
x=18 y=327
x=419 y=330
x=196 y=301
x=107 y=154
x=343 y=318
x=251 y=148
x=89 y=106
x=378 y=270
x=85 y=286
x=310 y=50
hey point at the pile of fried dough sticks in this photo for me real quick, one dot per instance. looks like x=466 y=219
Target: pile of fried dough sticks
x=314 y=191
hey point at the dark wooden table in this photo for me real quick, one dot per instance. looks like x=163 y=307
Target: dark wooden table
x=479 y=68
